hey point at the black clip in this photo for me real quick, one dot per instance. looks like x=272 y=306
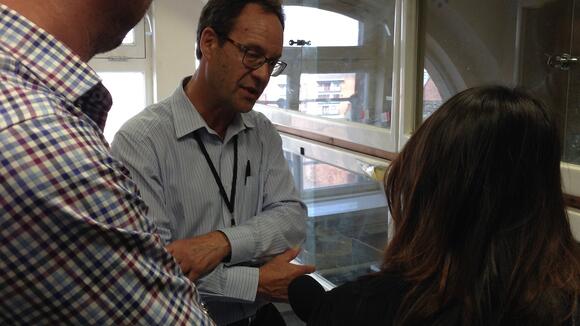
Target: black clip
x=299 y=42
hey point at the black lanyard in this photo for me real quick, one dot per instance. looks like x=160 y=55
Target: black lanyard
x=232 y=200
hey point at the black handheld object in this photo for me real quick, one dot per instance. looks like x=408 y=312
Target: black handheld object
x=304 y=294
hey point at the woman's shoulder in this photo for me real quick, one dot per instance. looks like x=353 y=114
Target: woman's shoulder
x=370 y=300
x=370 y=286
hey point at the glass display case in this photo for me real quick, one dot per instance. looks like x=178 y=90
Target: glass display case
x=347 y=225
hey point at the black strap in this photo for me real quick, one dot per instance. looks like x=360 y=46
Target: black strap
x=232 y=200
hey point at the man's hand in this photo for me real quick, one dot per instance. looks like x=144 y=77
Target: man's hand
x=277 y=274
x=198 y=256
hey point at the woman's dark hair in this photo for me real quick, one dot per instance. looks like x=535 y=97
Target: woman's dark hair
x=221 y=16
x=480 y=228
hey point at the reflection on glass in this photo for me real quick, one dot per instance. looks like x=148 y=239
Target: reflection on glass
x=301 y=21
x=347 y=219
x=128 y=92
x=275 y=93
x=329 y=95
x=431 y=95
x=317 y=175
x=465 y=45
x=473 y=43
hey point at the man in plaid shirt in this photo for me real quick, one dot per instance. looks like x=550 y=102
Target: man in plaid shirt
x=75 y=244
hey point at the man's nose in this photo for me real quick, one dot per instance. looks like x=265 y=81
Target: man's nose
x=263 y=72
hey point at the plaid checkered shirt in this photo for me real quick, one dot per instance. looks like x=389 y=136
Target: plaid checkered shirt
x=75 y=244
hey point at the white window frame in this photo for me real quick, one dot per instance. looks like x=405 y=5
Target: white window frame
x=406 y=80
x=129 y=65
x=570 y=178
x=127 y=58
x=136 y=50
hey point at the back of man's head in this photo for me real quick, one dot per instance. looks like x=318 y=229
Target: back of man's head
x=87 y=27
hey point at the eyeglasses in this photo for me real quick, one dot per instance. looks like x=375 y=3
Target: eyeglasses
x=254 y=60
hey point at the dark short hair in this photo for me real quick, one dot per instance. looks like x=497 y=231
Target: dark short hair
x=221 y=15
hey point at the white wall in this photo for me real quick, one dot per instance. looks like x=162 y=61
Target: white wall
x=571 y=186
x=175 y=25
x=574 y=216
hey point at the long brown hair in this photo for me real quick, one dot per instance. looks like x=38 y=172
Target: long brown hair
x=480 y=228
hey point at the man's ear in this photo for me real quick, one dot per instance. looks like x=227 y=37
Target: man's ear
x=208 y=42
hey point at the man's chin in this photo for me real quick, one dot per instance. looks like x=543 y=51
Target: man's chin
x=246 y=106
x=109 y=46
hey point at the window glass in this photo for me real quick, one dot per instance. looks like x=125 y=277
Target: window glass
x=462 y=48
x=571 y=114
x=129 y=98
x=340 y=72
x=318 y=176
x=275 y=93
x=132 y=47
x=333 y=96
x=431 y=96
x=302 y=21
x=129 y=38
x=347 y=219
x=528 y=44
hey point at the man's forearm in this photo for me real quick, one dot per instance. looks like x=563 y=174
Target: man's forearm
x=199 y=255
x=273 y=231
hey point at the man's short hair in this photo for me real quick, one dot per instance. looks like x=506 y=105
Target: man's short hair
x=221 y=15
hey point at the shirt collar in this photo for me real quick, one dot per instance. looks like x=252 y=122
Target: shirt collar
x=53 y=64
x=186 y=119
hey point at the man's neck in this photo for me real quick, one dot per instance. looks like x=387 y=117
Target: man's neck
x=58 y=23
x=216 y=116
x=218 y=120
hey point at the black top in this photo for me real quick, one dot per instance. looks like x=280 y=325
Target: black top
x=372 y=300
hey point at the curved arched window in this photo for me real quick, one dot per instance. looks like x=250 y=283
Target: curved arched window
x=324 y=28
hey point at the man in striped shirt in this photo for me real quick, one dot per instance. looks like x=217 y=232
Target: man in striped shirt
x=76 y=246
x=213 y=171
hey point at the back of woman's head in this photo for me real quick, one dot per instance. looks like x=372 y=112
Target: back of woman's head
x=480 y=229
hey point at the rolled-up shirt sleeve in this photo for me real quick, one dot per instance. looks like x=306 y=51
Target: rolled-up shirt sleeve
x=278 y=223
x=281 y=223
x=231 y=283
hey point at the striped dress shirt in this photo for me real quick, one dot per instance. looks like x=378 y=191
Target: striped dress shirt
x=159 y=148
x=76 y=247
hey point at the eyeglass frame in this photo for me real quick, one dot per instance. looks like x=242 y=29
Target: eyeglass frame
x=272 y=62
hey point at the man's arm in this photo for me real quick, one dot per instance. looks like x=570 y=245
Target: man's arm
x=139 y=157
x=197 y=256
x=76 y=243
x=270 y=234
x=202 y=255
x=281 y=224
x=236 y=283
